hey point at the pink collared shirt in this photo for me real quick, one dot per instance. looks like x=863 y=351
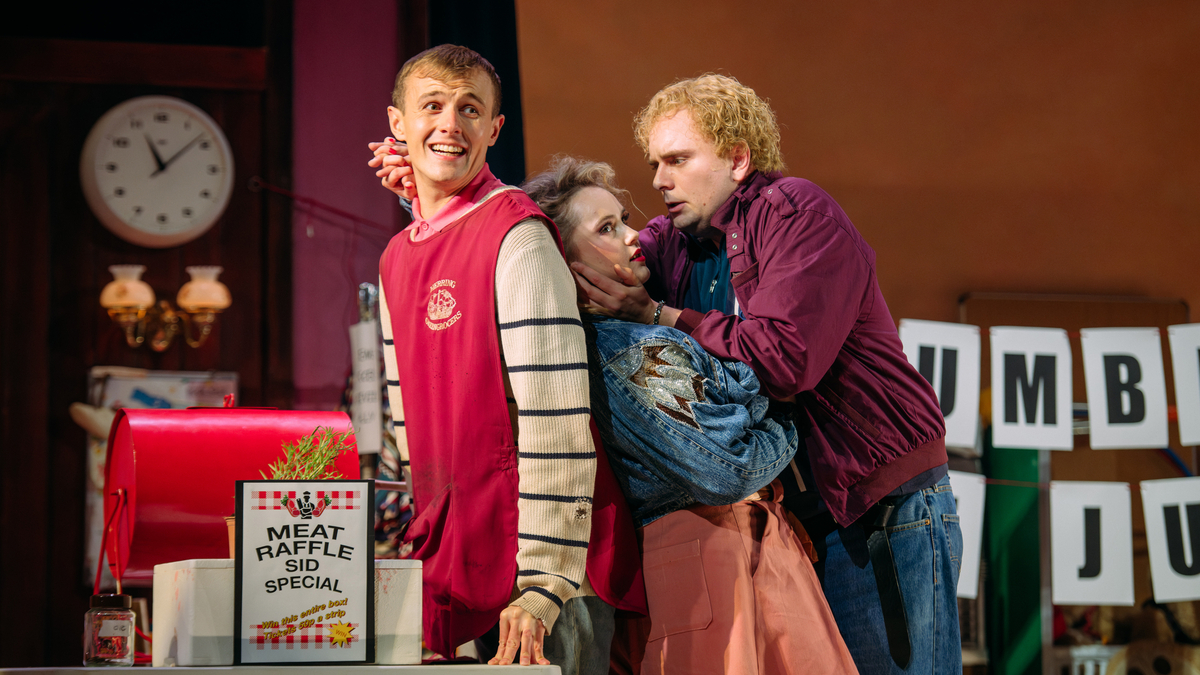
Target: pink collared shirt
x=483 y=183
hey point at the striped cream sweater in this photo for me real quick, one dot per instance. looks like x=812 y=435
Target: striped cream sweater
x=547 y=381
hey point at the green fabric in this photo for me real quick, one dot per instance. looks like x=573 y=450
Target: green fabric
x=1012 y=552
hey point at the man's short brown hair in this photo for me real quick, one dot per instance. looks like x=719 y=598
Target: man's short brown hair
x=725 y=111
x=448 y=63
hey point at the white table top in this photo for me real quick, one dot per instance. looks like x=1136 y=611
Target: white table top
x=462 y=669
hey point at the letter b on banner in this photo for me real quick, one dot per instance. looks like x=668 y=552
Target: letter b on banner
x=1091 y=548
x=1126 y=403
x=1126 y=387
x=1172 y=511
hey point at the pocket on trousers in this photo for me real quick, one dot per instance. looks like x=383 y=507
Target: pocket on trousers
x=954 y=538
x=912 y=546
x=676 y=590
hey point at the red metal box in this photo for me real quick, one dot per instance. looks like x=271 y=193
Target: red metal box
x=169 y=478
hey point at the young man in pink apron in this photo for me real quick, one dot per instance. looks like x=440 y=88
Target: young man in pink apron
x=484 y=352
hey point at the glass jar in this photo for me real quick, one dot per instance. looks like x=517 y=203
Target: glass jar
x=108 y=631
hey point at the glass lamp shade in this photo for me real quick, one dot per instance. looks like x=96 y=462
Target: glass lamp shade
x=127 y=290
x=204 y=293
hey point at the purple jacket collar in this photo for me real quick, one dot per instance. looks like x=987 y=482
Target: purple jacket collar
x=725 y=218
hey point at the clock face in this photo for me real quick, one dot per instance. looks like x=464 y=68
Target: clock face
x=157 y=171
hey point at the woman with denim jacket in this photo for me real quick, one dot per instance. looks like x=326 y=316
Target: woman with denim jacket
x=695 y=447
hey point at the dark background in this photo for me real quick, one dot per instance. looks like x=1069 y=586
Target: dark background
x=60 y=70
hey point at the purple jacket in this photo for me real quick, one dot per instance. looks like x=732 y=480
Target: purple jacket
x=816 y=327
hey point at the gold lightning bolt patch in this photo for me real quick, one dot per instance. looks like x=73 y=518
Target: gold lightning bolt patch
x=663 y=378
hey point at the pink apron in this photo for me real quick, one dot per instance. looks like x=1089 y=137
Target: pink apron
x=463 y=457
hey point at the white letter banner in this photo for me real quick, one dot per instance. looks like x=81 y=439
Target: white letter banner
x=947 y=356
x=1126 y=387
x=1185 y=356
x=1172 y=510
x=1091 y=543
x=1031 y=388
x=366 y=407
x=969 y=490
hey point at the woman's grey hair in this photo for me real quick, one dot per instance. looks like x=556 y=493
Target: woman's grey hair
x=553 y=189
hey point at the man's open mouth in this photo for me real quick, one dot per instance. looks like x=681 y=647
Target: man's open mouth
x=447 y=150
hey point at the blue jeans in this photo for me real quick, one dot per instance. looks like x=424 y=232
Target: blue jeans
x=582 y=637
x=927 y=548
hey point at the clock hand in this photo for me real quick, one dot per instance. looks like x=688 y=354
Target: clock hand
x=176 y=155
x=154 y=151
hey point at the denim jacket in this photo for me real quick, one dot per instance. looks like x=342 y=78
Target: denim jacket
x=680 y=427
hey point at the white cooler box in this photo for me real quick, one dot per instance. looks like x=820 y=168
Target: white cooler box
x=193 y=613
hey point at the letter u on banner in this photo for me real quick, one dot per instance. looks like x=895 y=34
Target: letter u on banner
x=1031 y=388
x=1126 y=387
x=947 y=356
x=1172 y=511
x=1091 y=543
x=1185 y=356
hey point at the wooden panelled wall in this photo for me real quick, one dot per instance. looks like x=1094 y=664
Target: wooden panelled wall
x=54 y=256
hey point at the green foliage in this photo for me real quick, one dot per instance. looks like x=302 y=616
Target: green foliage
x=311 y=457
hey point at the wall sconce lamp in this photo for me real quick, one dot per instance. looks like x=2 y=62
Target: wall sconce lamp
x=130 y=304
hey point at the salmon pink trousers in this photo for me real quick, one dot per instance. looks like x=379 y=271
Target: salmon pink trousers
x=732 y=590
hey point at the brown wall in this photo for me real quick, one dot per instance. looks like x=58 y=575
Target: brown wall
x=1019 y=146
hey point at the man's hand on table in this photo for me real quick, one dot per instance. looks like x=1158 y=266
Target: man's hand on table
x=390 y=159
x=626 y=299
x=520 y=630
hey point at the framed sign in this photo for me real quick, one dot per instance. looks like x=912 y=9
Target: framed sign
x=305 y=574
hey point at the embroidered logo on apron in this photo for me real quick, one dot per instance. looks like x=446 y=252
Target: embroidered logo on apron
x=441 y=314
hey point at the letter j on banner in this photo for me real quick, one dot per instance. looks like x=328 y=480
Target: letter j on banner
x=1126 y=388
x=1091 y=543
x=947 y=356
x=1031 y=388
x=1172 y=511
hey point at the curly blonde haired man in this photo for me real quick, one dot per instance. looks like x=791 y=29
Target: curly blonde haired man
x=770 y=271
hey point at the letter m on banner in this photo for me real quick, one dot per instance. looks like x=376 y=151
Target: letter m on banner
x=1031 y=388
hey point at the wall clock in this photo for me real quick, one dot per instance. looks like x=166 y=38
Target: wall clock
x=157 y=171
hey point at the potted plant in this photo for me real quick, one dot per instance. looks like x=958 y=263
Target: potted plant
x=311 y=457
